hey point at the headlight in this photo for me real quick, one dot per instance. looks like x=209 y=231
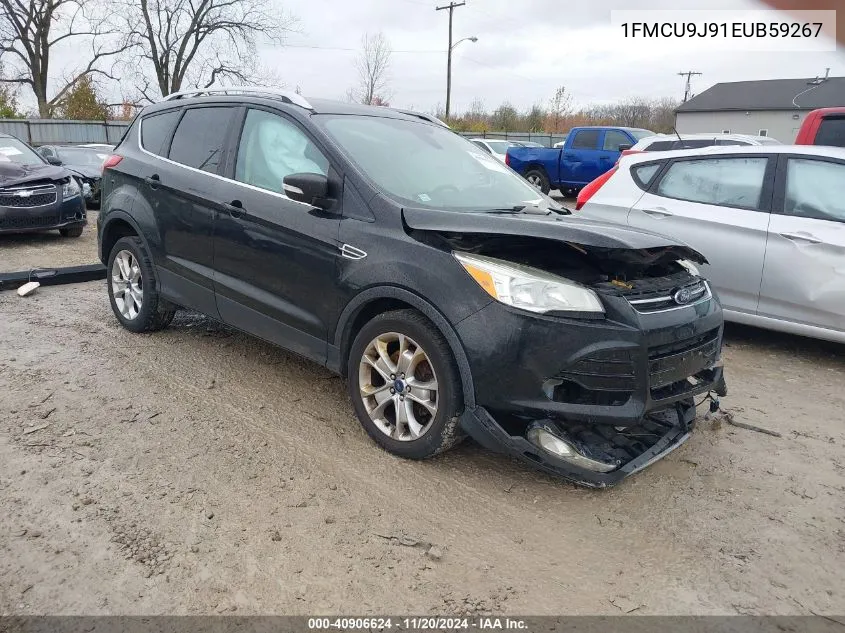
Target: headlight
x=528 y=288
x=70 y=189
x=692 y=269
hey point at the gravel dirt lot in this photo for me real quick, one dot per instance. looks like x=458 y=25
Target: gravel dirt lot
x=200 y=470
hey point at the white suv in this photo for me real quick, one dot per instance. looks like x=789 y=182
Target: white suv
x=667 y=142
x=770 y=219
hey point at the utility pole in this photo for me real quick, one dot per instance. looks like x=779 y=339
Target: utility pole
x=688 y=74
x=451 y=6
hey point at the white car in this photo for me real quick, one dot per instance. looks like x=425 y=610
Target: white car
x=770 y=219
x=102 y=147
x=496 y=147
x=666 y=142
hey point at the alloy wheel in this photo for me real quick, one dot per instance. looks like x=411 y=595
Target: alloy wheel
x=398 y=386
x=127 y=284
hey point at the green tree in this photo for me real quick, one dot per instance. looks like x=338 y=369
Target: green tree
x=535 y=119
x=82 y=103
x=9 y=104
x=505 y=118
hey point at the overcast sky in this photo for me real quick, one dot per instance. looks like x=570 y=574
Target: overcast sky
x=525 y=49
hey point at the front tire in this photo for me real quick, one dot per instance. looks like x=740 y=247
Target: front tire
x=539 y=179
x=405 y=386
x=132 y=288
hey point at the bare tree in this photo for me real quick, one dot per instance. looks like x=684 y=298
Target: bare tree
x=373 y=65
x=31 y=31
x=185 y=43
x=560 y=107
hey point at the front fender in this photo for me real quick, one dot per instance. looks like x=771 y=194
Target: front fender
x=354 y=307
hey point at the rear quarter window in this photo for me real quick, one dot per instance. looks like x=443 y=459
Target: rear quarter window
x=644 y=174
x=155 y=130
x=831 y=132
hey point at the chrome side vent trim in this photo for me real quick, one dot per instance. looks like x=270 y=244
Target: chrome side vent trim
x=350 y=252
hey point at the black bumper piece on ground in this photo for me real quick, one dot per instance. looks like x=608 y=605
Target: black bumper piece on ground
x=676 y=423
x=53 y=276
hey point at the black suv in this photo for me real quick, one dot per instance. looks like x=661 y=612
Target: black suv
x=34 y=195
x=453 y=296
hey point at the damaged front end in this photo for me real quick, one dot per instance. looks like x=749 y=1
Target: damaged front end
x=593 y=398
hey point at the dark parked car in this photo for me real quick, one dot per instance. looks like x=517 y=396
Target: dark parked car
x=34 y=195
x=453 y=296
x=85 y=163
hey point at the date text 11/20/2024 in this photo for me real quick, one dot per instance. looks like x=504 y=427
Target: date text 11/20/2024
x=417 y=624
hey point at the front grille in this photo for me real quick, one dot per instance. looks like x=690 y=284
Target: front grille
x=678 y=367
x=24 y=222
x=697 y=291
x=24 y=197
x=654 y=294
x=604 y=377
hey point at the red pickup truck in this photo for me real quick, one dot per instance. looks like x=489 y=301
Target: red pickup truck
x=825 y=126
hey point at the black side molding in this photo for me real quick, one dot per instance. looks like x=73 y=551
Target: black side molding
x=53 y=276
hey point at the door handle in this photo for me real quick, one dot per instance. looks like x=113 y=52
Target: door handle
x=604 y=157
x=153 y=181
x=802 y=237
x=658 y=212
x=235 y=208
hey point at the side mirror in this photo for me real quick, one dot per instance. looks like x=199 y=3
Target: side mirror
x=53 y=160
x=311 y=189
x=625 y=147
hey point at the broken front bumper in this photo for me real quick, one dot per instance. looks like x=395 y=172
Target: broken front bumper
x=613 y=394
x=676 y=423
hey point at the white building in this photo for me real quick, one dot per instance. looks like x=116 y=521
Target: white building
x=774 y=107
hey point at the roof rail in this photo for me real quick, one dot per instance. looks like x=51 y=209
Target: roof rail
x=284 y=95
x=421 y=115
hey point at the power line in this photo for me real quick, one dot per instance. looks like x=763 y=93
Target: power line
x=356 y=50
x=688 y=89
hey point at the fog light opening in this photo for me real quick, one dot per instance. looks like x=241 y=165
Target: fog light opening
x=543 y=438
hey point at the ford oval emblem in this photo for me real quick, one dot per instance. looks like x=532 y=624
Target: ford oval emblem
x=686 y=295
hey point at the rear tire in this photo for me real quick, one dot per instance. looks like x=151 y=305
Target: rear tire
x=405 y=385
x=75 y=231
x=539 y=179
x=132 y=288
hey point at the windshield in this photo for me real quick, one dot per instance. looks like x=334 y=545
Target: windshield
x=430 y=166
x=500 y=147
x=81 y=156
x=14 y=151
x=640 y=134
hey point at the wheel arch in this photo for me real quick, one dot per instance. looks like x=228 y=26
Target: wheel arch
x=538 y=167
x=377 y=300
x=119 y=224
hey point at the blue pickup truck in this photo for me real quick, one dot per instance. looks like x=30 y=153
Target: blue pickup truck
x=586 y=155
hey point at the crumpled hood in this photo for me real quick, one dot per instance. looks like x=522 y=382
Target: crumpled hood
x=561 y=228
x=86 y=171
x=15 y=174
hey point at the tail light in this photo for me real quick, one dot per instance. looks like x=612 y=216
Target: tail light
x=507 y=159
x=112 y=161
x=627 y=152
x=590 y=188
